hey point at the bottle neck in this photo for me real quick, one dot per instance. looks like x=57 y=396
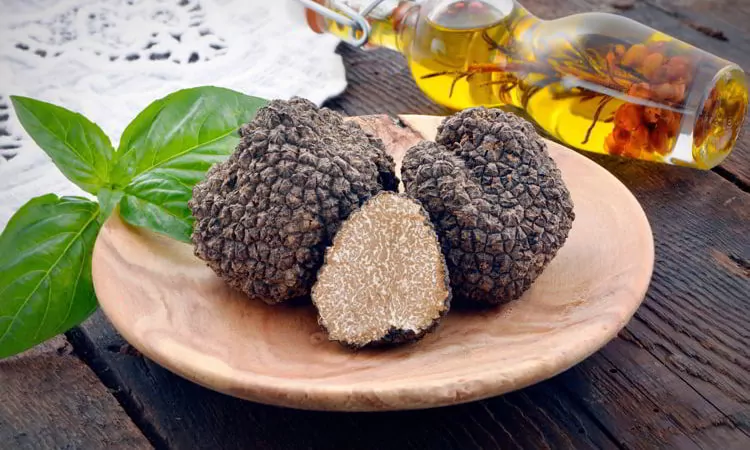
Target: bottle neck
x=393 y=24
x=390 y=23
x=396 y=30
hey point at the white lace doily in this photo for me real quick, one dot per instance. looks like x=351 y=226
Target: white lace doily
x=108 y=59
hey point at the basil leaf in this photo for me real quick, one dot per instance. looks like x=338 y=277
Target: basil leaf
x=158 y=201
x=77 y=146
x=45 y=270
x=169 y=147
x=108 y=200
x=184 y=133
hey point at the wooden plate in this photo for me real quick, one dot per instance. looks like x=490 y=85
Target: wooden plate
x=172 y=308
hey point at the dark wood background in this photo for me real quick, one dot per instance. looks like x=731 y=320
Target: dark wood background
x=677 y=377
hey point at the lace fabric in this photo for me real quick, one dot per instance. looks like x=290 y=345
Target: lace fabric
x=108 y=59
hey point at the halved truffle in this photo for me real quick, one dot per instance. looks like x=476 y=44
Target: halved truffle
x=264 y=217
x=497 y=199
x=384 y=280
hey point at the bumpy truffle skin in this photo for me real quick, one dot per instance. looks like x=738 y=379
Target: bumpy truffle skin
x=265 y=215
x=498 y=201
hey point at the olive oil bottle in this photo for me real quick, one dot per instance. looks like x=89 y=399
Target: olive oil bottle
x=596 y=82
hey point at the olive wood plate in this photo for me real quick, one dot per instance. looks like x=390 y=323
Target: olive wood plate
x=172 y=308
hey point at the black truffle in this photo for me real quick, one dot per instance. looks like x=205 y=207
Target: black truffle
x=498 y=201
x=384 y=280
x=266 y=214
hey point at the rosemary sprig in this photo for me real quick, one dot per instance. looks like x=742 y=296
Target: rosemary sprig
x=602 y=103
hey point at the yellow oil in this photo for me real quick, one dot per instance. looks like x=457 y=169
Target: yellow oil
x=594 y=82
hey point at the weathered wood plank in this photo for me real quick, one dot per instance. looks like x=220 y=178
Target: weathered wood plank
x=181 y=414
x=645 y=406
x=678 y=377
x=49 y=399
x=695 y=316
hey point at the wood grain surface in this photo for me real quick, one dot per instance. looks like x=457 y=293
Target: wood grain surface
x=49 y=399
x=171 y=307
x=675 y=378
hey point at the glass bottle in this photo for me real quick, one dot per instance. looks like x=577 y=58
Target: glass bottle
x=594 y=81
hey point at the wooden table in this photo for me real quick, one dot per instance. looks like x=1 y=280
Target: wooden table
x=677 y=377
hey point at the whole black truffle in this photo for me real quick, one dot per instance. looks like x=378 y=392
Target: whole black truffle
x=266 y=214
x=384 y=280
x=498 y=201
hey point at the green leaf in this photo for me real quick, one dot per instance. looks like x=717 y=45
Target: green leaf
x=169 y=147
x=184 y=133
x=108 y=200
x=158 y=201
x=45 y=270
x=78 y=147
